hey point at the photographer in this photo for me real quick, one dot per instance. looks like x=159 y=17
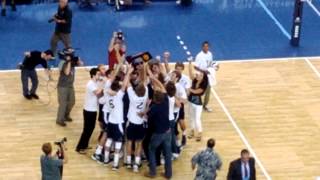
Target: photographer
x=63 y=20
x=31 y=60
x=116 y=50
x=51 y=165
x=66 y=96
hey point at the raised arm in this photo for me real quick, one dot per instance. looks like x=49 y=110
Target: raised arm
x=112 y=41
x=191 y=75
x=166 y=56
x=158 y=85
x=126 y=79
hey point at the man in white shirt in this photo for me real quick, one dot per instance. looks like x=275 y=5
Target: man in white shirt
x=204 y=61
x=114 y=103
x=89 y=110
x=138 y=97
x=185 y=82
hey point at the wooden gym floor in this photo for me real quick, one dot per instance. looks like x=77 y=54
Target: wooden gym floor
x=274 y=103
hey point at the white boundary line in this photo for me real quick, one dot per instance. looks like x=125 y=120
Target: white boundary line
x=220 y=61
x=312 y=67
x=243 y=138
x=313 y=7
x=283 y=30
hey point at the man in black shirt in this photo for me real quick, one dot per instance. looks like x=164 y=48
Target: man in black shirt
x=158 y=116
x=63 y=20
x=31 y=60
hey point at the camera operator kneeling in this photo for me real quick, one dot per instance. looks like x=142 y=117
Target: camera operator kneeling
x=50 y=164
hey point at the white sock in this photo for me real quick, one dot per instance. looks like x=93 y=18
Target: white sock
x=137 y=160
x=178 y=143
x=116 y=159
x=99 y=149
x=128 y=159
x=106 y=156
x=184 y=132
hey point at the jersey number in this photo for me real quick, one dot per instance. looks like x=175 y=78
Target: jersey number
x=111 y=103
x=139 y=106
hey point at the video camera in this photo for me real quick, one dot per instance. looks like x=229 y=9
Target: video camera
x=69 y=55
x=52 y=19
x=61 y=141
x=120 y=35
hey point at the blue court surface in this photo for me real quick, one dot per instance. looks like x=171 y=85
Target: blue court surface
x=237 y=29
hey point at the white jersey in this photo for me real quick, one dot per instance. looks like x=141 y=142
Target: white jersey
x=185 y=82
x=91 y=99
x=102 y=100
x=171 y=107
x=180 y=93
x=137 y=104
x=115 y=107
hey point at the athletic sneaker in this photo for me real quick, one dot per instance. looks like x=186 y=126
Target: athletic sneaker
x=128 y=165
x=175 y=156
x=206 y=108
x=115 y=168
x=106 y=162
x=136 y=168
x=97 y=157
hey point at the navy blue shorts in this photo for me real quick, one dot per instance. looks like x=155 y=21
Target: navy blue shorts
x=136 y=132
x=114 y=132
x=101 y=113
x=104 y=126
x=181 y=112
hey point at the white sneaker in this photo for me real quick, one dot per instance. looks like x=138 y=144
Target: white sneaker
x=207 y=109
x=135 y=168
x=175 y=156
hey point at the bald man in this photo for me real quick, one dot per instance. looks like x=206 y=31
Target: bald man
x=63 y=20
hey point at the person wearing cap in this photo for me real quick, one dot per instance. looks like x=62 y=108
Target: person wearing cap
x=31 y=60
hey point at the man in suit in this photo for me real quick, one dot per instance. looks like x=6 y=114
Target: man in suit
x=242 y=168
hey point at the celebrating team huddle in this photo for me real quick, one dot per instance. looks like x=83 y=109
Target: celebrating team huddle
x=140 y=107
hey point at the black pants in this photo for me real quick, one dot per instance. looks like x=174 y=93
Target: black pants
x=25 y=75
x=88 y=127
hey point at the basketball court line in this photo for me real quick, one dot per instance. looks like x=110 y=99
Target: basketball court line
x=312 y=7
x=242 y=136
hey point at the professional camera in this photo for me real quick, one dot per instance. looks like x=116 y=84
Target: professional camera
x=20 y=66
x=61 y=141
x=52 y=19
x=120 y=35
x=69 y=55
